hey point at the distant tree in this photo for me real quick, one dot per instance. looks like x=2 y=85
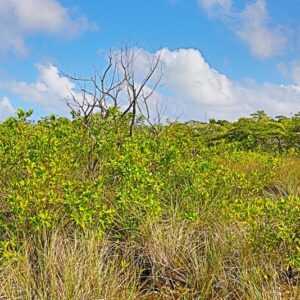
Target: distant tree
x=223 y=122
x=260 y=115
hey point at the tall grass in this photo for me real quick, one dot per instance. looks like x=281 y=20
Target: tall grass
x=170 y=259
x=168 y=217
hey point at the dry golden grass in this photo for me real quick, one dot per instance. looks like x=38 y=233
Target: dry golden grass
x=166 y=260
x=288 y=174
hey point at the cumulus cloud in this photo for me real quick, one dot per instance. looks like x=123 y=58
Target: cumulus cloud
x=190 y=76
x=49 y=90
x=197 y=88
x=6 y=108
x=253 y=26
x=22 y=18
x=190 y=86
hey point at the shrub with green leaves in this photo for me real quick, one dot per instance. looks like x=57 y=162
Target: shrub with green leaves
x=96 y=179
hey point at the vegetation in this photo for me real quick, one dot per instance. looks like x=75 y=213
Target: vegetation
x=95 y=210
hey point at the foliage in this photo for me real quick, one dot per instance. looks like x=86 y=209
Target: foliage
x=100 y=182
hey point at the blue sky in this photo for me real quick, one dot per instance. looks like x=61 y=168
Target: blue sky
x=221 y=58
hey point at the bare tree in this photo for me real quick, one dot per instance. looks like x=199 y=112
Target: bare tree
x=138 y=91
x=118 y=85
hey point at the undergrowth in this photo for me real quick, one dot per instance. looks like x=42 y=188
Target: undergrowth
x=185 y=212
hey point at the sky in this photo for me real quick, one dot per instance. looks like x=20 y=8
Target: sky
x=222 y=59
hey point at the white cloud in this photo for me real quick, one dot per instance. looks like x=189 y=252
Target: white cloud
x=190 y=85
x=190 y=77
x=6 y=108
x=49 y=90
x=22 y=18
x=255 y=29
x=253 y=26
x=197 y=88
x=216 y=7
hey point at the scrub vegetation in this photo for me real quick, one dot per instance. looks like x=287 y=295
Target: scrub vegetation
x=113 y=208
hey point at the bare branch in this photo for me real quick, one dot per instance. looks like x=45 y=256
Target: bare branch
x=116 y=84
